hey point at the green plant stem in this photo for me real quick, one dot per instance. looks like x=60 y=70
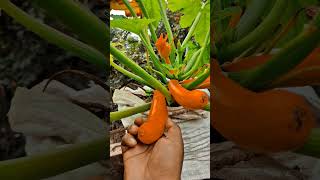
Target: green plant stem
x=80 y=20
x=203 y=76
x=250 y=18
x=193 y=27
x=280 y=82
x=135 y=68
x=153 y=55
x=292 y=21
x=199 y=58
x=133 y=13
x=54 y=162
x=114 y=116
x=80 y=49
x=128 y=74
x=289 y=57
x=312 y=146
x=151 y=27
x=166 y=24
x=258 y=35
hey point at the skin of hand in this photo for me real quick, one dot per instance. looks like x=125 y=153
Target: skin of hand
x=161 y=160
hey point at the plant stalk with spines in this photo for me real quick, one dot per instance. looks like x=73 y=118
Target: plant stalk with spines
x=135 y=68
x=199 y=58
x=166 y=24
x=259 y=34
x=96 y=35
x=151 y=27
x=114 y=116
x=282 y=62
x=54 y=162
x=193 y=27
x=79 y=48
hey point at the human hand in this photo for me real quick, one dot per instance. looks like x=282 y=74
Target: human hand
x=160 y=160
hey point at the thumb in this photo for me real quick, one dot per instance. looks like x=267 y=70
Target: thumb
x=173 y=130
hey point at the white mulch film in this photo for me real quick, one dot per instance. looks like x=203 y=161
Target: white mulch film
x=195 y=127
x=42 y=117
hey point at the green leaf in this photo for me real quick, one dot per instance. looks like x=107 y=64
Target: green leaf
x=131 y=25
x=153 y=9
x=189 y=9
x=202 y=27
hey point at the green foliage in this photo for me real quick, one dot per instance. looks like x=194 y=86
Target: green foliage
x=190 y=9
x=132 y=25
x=153 y=9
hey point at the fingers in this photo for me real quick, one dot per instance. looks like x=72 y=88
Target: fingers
x=139 y=121
x=128 y=141
x=133 y=130
x=173 y=130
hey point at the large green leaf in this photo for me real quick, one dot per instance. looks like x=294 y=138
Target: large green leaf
x=189 y=9
x=203 y=25
x=153 y=9
x=131 y=25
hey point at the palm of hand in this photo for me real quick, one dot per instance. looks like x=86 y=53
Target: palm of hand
x=161 y=160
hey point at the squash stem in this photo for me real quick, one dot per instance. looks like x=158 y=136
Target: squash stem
x=282 y=62
x=135 y=68
x=114 y=116
x=57 y=161
x=261 y=33
x=82 y=50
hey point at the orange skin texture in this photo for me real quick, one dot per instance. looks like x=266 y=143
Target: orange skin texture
x=150 y=131
x=164 y=48
x=269 y=121
x=119 y=5
x=295 y=77
x=194 y=99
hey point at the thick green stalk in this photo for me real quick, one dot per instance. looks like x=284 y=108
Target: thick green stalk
x=80 y=49
x=250 y=18
x=145 y=13
x=54 y=162
x=128 y=74
x=133 y=13
x=135 y=68
x=153 y=55
x=166 y=24
x=193 y=27
x=114 y=116
x=203 y=76
x=281 y=63
x=80 y=20
x=199 y=58
x=312 y=146
x=262 y=32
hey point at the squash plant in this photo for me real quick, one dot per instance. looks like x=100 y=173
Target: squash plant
x=91 y=46
x=168 y=58
x=261 y=46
